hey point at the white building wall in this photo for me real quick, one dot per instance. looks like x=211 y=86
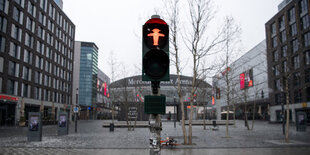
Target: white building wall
x=76 y=70
x=254 y=59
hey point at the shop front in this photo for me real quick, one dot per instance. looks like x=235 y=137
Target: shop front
x=7 y=110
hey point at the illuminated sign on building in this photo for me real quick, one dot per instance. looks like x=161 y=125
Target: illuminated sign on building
x=10 y=98
x=246 y=79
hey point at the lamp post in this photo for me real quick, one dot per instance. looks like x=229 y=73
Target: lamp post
x=75 y=113
x=174 y=111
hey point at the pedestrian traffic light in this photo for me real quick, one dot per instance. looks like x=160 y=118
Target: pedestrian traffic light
x=155 y=50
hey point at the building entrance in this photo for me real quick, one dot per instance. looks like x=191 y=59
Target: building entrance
x=7 y=114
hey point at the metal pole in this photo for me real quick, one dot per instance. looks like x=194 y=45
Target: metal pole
x=174 y=111
x=155 y=124
x=283 y=118
x=75 y=113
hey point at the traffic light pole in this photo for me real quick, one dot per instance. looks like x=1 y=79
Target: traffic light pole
x=155 y=124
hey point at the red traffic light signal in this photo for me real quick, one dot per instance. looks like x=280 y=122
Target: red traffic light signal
x=155 y=33
x=155 y=50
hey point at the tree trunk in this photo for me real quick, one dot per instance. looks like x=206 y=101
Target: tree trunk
x=183 y=121
x=287 y=112
x=204 y=116
x=253 y=115
x=234 y=109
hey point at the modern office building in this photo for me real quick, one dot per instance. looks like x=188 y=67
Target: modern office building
x=87 y=81
x=36 y=59
x=288 y=57
x=103 y=103
x=248 y=85
x=128 y=97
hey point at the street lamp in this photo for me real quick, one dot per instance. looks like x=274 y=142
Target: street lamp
x=174 y=111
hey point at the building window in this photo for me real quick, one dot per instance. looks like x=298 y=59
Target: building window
x=38 y=77
x=275 y=56
x=3 y=23
x=12 y=87
x=41 y=18
x=307 y=75
x=273 y=29
x=305 y=23
x=17 y=15
x=284 y=64
x=43 y=4
x=2 y=44
x=296 y=62
x=293 y=29
x=277 y=98
x=16 y=32
x=295 y=45
x=25 y=90
x=274 y=42
x=296 y=79
x=283 y=36
x=284 y=51
x=303 y=6
x=26 y=73
x=14 y=50
x=297 y=96
x=291 y=16
x=29 y=40
x=307 y=39
x=30 y=24
x=13 y=68
x=277 y=84
x=307 y=57
x=31 y=9
x=276 y=70
x=27 y=57
x=2 y=5
x=37 y=93
x=1 y=64
x=281 y=23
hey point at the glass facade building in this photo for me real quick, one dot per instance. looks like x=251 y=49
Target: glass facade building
x=88 y=74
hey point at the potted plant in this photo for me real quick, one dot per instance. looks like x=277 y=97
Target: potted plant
x=22 y=121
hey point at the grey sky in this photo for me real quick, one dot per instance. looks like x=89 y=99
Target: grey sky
x=116 y=25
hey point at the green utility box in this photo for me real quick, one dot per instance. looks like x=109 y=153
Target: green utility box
x=155 y=104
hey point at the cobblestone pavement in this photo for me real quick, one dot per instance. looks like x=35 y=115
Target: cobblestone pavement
x=92 y=138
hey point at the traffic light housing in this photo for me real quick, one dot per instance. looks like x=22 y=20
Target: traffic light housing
x=155 y=50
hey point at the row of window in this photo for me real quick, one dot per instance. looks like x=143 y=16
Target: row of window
x=13 y=70
x=16 y=33
x=15 y=51
x=47 y=95
x=52 y=13
x=279 y=83
x=296 y=96
x=294 y=47
x=304 y=19
x=295 y=64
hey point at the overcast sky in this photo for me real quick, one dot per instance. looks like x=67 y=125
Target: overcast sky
x=116 y=25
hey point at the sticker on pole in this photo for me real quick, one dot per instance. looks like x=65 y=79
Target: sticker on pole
x=76 y=109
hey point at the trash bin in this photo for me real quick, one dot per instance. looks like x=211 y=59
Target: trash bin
x=214 y=123
x=111 y=126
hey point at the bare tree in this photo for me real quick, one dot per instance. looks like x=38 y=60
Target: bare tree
x=231 y=34
x=199 y=43
x=172 y=8
x=114 y=64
